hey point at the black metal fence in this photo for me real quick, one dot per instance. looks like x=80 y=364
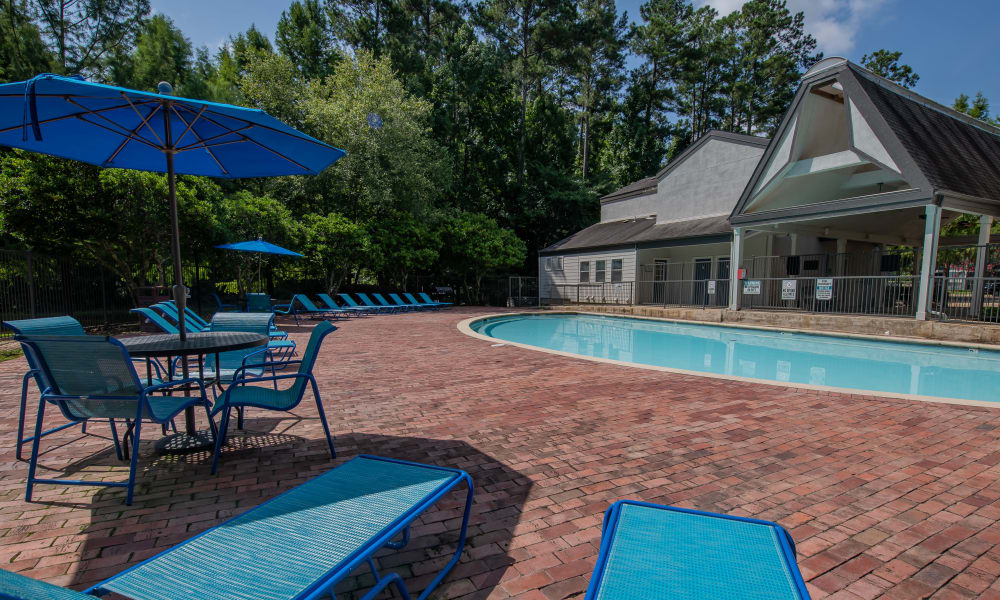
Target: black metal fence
x=34 y=285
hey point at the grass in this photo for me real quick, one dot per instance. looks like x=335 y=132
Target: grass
x=10 y=353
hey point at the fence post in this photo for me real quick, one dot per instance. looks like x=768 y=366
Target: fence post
x=31 y=283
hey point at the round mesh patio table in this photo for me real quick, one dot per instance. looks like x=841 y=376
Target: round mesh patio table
x=196 y=344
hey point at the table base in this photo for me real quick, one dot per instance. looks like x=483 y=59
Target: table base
x=184 y=443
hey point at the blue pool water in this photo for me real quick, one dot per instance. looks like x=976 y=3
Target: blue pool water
x=872 y=365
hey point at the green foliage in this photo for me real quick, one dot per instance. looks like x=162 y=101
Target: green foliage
x=333 y=246
x=114 y=216
x=886 y=63
x=304 y=36
x=400 y=245
x=979 y=108
x=474 y=244
x=161 y=53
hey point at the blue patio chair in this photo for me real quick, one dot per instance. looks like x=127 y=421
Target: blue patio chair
x=169 y=310
x=426 y=298
x=223 y=307
x=243 y=393
x=45 y=326
x=352 y=310
x=655 y=551
x=258 y=302
x=249 y=359
x=353 y=304
x=93 y=377
x=156 y=319
x=381 y=300
x=284 y=347
x=415 y=305
x=383 y=306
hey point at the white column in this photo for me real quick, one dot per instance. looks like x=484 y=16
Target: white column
x=794 y=239
x=928 y=259
x=735 y=260
x=985 y=222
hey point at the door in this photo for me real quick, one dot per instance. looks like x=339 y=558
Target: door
x=721 y=281
x=659 y=280
x=702 y=273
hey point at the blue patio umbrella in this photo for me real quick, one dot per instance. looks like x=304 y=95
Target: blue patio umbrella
x=117 y=127
x=259 y=246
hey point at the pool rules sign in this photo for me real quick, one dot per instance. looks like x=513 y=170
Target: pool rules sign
x=788 y=288
x=824 y=289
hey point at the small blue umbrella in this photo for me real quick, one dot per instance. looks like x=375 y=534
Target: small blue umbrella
x=259 y=246
x=111 y=126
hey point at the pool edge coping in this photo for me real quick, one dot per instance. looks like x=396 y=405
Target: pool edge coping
x=464 y=326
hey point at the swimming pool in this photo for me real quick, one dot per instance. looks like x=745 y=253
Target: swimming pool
x=789 y=357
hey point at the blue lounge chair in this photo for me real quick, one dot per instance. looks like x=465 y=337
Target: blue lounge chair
x=331 y=303
x=243 y=392
x=654 y=551
x=298 y=545
x=426 y=298
x=222 y=307
x=170 y=312
x=284 y=347
x=29 y=327
x=413 y=305
x=92 y=377
x=353 y=304
x=309 y=309
x=384 y=302
x=383 y=306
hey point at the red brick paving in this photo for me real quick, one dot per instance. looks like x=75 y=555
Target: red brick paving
x=885 y=498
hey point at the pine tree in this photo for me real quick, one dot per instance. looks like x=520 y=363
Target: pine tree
x=305 y=36
x=886 y=64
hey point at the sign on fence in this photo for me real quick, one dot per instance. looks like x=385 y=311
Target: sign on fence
x=788 y=287
x=751 y=287
x=711 y=287
x=824 y=289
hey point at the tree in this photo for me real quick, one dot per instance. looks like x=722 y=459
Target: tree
x=534 y=34
x=246 y=216
x=474 y=245
x=886 y=64
x=161 y=53
x=400 y=245
x=770 y=49
x=363 y=24
x=978 y=109
x=22 y=52
x=333 y=245
x=81 y=32
x=599 y=67
x=304 y=35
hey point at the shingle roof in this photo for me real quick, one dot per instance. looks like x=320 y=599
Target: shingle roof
x=636 y=231
x=646 y=185
x=953 y=154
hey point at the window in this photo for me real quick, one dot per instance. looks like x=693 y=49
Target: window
x=616 y=270
x=584 y=271
x=554 y=263
x=599 y=267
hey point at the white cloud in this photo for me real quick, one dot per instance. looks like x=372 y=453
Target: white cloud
x=834 y=23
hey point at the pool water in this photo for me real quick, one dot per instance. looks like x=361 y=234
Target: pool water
x=815 y=359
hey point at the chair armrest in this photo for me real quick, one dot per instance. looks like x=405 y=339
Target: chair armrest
x=176 y=383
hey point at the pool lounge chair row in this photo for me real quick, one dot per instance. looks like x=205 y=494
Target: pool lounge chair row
x=302 y=305
x=301 y=543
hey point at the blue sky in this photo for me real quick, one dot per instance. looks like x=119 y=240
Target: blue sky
x=953 y=45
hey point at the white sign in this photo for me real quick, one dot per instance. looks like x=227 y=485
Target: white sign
x=824 y=289
x=751 y=287
x=788 y=287
x=711 y=287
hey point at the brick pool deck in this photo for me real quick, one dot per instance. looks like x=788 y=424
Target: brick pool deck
x=884 y=498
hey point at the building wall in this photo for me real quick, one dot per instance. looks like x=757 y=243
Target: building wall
x=708 y=182
x=549 y=278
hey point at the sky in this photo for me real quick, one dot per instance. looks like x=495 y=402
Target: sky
x=953 y=45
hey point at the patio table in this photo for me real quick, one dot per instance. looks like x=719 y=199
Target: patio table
x=196 y=344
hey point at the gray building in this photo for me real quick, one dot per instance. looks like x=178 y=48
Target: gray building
x=665 y=238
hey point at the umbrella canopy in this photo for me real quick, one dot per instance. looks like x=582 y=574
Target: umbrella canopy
x=111 y=126
x=259 y=246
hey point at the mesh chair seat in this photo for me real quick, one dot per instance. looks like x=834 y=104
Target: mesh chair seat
x=263 y=397
x=21 y=587
x=283 y=547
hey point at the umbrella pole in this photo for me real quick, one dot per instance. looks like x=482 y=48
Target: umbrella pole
x=180 y=296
